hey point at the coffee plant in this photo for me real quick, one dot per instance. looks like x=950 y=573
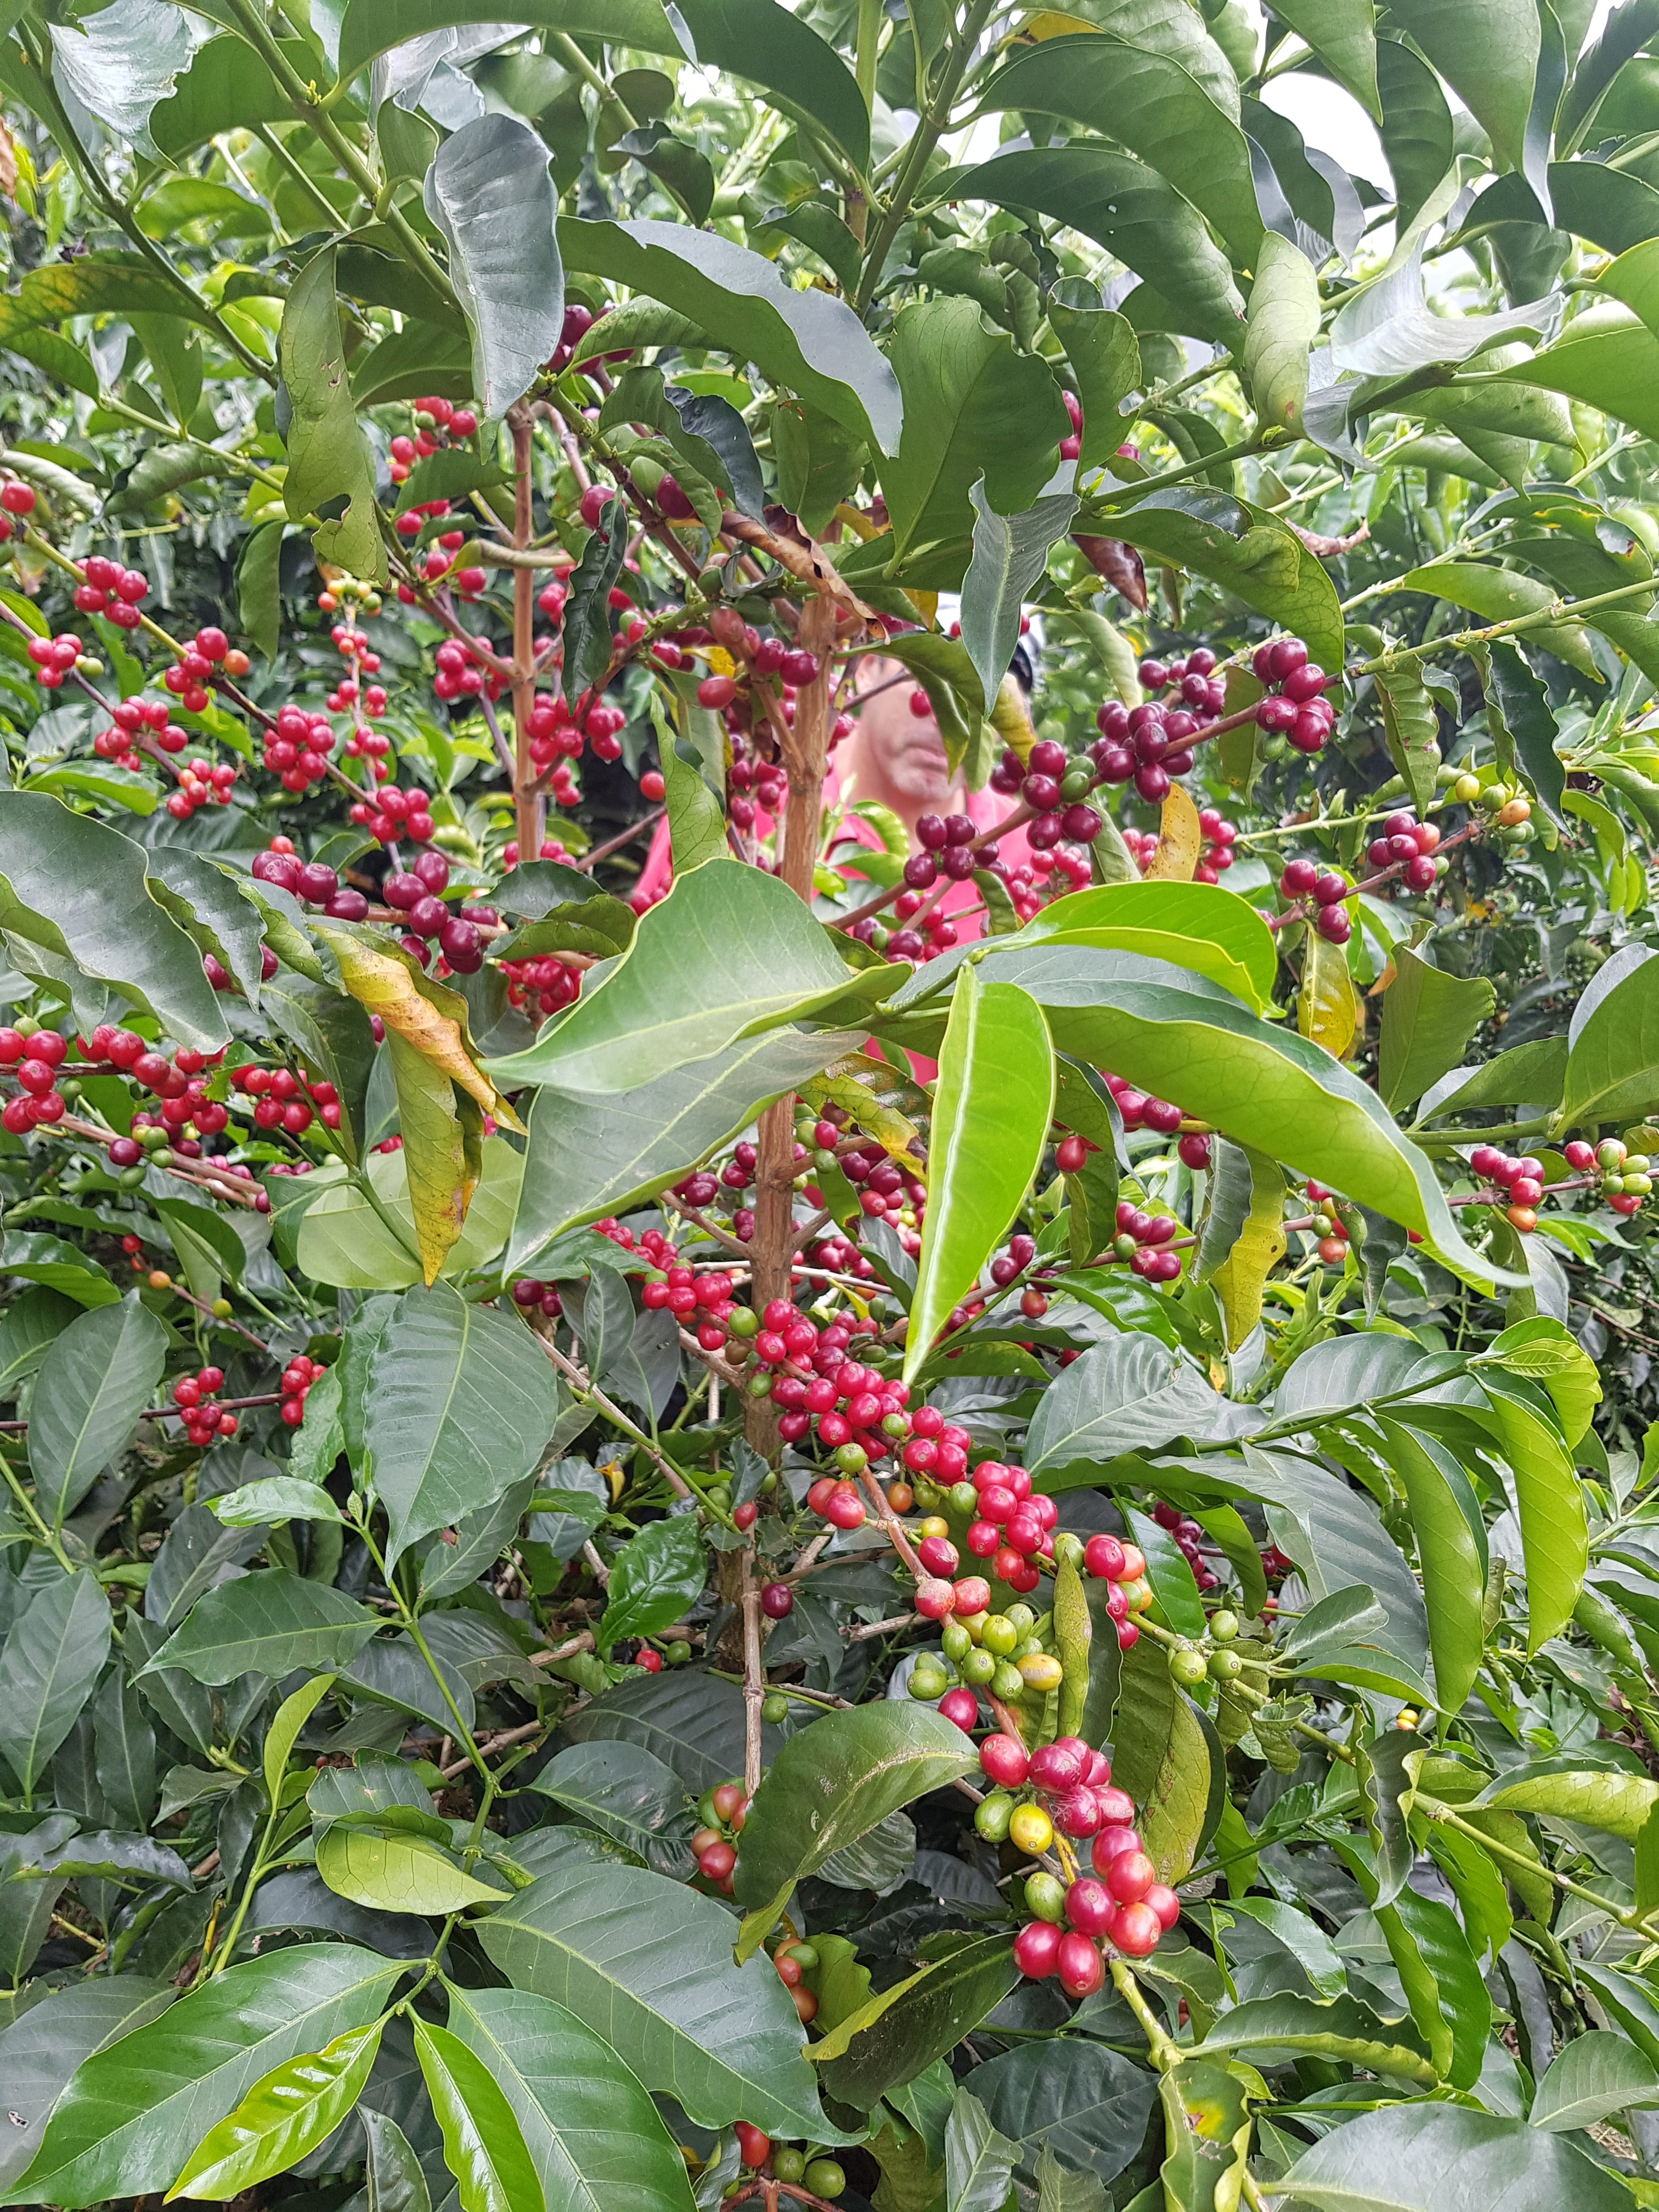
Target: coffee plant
x=827 y=902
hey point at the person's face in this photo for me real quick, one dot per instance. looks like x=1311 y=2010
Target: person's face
x=897 y=748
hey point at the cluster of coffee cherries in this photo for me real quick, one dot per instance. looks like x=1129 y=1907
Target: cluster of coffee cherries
x=298 y=1377
x=53 y=658
x=1296 y=709
x=1142 y=1242
x=793 y=1959
x=392 y=814
x=351 y=696
x=721 y=1812
x=578 y=321
x=1004 y=1654
x=1215 y=1659
x=297 y=747
x=541 y=986
x=701 y=1302
x=283 y=1100
x=191 y=673
x=414 y=893
x=1148 y=745
x=1122 y=1903
x=438 y=422
x=201 y=783
x=1216 y=856
x=312 y=882
x=1521 y=1181
x=754 y=785
x=798 y=2170
x=1162 y=1116
x=179 y=1083
x=1624 y=1178
x=459 y=670
x=106 y=588
x=128 y=719
x=858 y=1414
x=1405 y=839
x=1122 y=1568
x=34 y=1059
x=1189 y=1541
x=531 y=1296
x=1306 y=880
x=205 y=1421
x=1011 y=1525
x=1056 y=788
x=1326 y=1224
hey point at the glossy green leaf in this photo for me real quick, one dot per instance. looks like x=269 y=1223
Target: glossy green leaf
x=730 y=953
x=284 y=1733
x=1613 y=1044
x=806 y=340
x=650 y=1963
x=1451 y=1554
x=695 y=1724
x=274 y=1498
x=975 y=408
x=1499 y=595
x=1158 y=84
x=490 y=193
x=53 y=1656
x=210 y=903
x=991 y=1112
x=1247 y=550
x=1448 y=2000
x=120 y=63
x=268 y=1623
x=831 y=1785
x=950 y=1994
x=393 y=2179
x=656 y=1576
x=1128 y=1394
x=40 y=2049
x=1340 y=2029
x=1554 y=1535
x=1446 y=2158
x=1283 y=324
x=281 y=2119
x=1302 y=1937
x=1010 y=553
x=1204 y=927
x=627 y=1792
x=461 y=1402
x=979 y=2160
x=95 y=1382
x=1131 y=210
x=396 y=1872
x=1180 y=1810
x=1428 y=1019
x=1593 y=2077
x=1608 y=1798
x=595 y=2137
x=1105 y=359
x=131 y=2115
x=484 y=2147
x=1605 y=357
x=1342 y=33
x=328 y=455
x=1487 y=52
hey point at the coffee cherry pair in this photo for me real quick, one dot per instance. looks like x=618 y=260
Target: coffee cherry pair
x=1214 y=1659
x=792 y=1959
x=1305 y=879
x=194 y=1395
x=531 y=1297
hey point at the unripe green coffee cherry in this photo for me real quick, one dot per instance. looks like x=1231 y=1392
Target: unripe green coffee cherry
x=677 y=1652
x=965 y=1498
x=745 y=1321
x=991 y=1816
x=1187 y=1665
x=1609 y=1153
x=999 y=1636
x=1023 y=1618
x=1069 y=1546
x=774 y=1708
x=928 y=1680
x=956 y=1642
x=1225 y=1666
x=851 y=1459
x=1635 y=1162
x=1045 y=1897
x=1466 y=789
x=789 y=2164
x=928 y=1497
x=1224 y=1627
x=221 y=1309
x=1007 y=1683
x=978 y=1670
x=823 y=2178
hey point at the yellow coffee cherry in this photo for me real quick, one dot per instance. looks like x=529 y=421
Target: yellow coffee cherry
x=1040 y=1671
x=1030 y=1829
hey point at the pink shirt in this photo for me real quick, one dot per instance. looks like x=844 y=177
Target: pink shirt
x=984 y=809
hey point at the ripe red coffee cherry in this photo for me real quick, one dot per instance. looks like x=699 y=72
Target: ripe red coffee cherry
x=1111 y=1844
x=1082 y=1970
x=1037 y=1949
x=1003 y=1759
x=777 y=1600
x=1137 y=1930
x=935 y=1598
x=1130 y=1875
x=973 y=1594
x=960 y=1705
x=1162 y=1900
x=1061 y=1765
x=1104 y=1557
x=1089 y=1907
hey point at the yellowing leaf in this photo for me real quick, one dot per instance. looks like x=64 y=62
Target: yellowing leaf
x=441 y=1176
x=1239 y=1279
x=1180 y=840
x=388 y=986
x=1327 y=1010
x=1011 y=720
x=893 y=1130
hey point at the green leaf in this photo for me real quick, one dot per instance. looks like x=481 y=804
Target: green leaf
x=394 y=2180
x=1487 y=50
x=370 y=27
x=284 y=1733
x=59 y=1268
x=693 y=1723
x=1554 y=1535
x=1158 y=82
x=95 y=1382
x=1593 y=2077
x=807 y=341
x=1342 y=33
x=1451 y=1552
x=973 y=409
x=1428 y=1020
x=651 y=1962
x=628 y=1794
x=1524 y=713
x=1341 y=2029
x=1181 y=1809
x=461 y=1403
x=490 y=194
x=924 y=2018
x=118 y=63
x=657 y=1575
x=1283 y=324
x=1500 y=595
x=731 y=952
x=1605 y=357
x=1133 y=213
x=1242 y=1233
x=1085 y=2102
x=40 y=2049
x=266 y=1624
x=1448 y=1999
x=1127 y=1393
x=1246 y=550
x=979 y=2160
x=1605 y=1798
x=484 y=2148
x=588 y=1157
x=1612 y=1045
x=77 y=890
x=1010 y=553
x=1203 y=927
x=396 y=1872
x=1302 y=1937
x=591 y=2132
x=831 y=1785
x=991 y=1111
x=282 y=2119
x=1105 y=357
x=692 y=749
x=131 y=2115
x=328 y=456
x=51 y=1658
x=1446 y=2158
